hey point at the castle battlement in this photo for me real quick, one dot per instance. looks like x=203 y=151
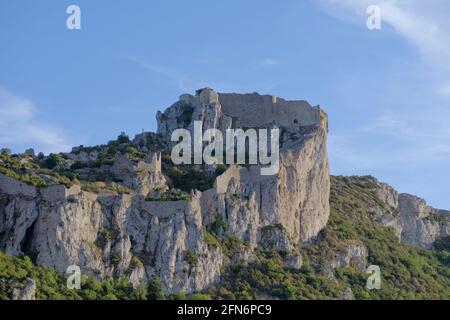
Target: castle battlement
x=255 y=110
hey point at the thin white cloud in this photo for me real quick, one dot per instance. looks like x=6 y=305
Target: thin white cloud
x=270 y=62
x=424 y=23
x=409 y=140
x=19 y=127
x=184 y=83
x=418 y=132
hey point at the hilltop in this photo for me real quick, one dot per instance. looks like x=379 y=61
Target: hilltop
x=141 y=227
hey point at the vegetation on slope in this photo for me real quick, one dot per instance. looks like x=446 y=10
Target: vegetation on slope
x=32 y=171
x=52 y=286
x=407 y=272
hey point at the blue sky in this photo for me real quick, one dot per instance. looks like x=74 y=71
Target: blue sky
x=387 y=92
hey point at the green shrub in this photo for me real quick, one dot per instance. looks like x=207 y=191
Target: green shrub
x=200 y=296
x=218 y=226
x=185 y=118
x=172 y=195
x=188 y=177
x=52 y=161
x=442 y=244
x=52 y=286
x=28 y=178
x=155 y=289
x=123 y=138
x=191 y=259
x=210 y=239
x=5 y=152
x=98 y=186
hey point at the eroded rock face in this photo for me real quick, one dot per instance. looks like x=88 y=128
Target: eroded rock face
x=353 y=253
x=123 y=235
x=421 y=224
x=142 y=176
x=113 y=235
x=169 y=235
x=65 y=231
x=297 y=197
x=24 y=291
x=17 y=215
x=347 y=294
x=414 y=221
x=293 y=261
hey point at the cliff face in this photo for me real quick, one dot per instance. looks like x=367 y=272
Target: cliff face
x=413 y=220
x=110 y=235
x=116 y=211
x=136 y=235
x=421 y=224
x=297 y=198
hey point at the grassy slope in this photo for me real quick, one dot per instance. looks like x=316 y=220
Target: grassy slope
x=407 y=272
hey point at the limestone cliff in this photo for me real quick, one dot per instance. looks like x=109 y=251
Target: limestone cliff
x=414 y=221
x=108 y=209
x=297 y=197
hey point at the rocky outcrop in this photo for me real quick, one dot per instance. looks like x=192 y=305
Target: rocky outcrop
x=353 y=253
x=297 y=198
x=108 y=234
x=24 y=291
x=142 y=176
x=414 y=221
x=78 y=154
x=350 y=253
x=124 y=235
x=293 y=261
x=112 y=235
x=18 y=212
x=347 y=294
x=421 y=224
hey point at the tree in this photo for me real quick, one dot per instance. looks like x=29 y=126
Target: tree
x=5 y=152
x=52 y=161
x=123 y=138
x=155 y=289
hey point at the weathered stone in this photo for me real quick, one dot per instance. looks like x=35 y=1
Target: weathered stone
x=347 y=294
x=15 y=187
x=293 y=261
x=24 y=291
x=414 y=221
x=59 y=192
x=298 y=196
x=421 y=224
x=354 y=253
x=141 y=176
x=273 y=238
